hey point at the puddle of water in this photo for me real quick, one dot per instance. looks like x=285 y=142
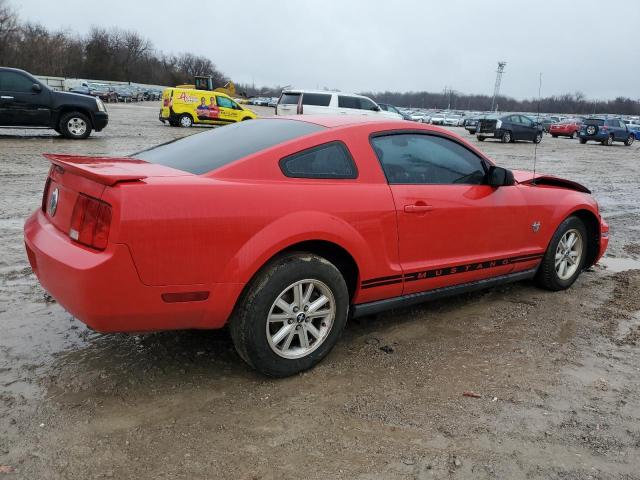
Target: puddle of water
x=617 y=265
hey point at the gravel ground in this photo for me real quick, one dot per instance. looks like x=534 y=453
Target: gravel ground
x=557 y=373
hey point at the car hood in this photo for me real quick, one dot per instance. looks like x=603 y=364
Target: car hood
x=525 y=177
x=71 y=95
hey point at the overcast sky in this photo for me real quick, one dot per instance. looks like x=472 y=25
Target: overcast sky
x=374 y=45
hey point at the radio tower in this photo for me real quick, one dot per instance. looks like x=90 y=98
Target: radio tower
x=496 y=89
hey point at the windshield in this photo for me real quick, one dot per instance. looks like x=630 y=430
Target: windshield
x=204 y=152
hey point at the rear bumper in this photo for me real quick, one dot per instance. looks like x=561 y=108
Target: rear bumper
x=598 y=137
x=604 y=239
x=103 y=289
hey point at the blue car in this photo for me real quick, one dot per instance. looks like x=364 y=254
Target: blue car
x=635 y=129
x=605 y=131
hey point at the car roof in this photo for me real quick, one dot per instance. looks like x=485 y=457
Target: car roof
x=325 y=92
x=337 y=121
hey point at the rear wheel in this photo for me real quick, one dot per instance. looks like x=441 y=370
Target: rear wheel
x=246 y=118
x=565 y=257
x=75 y=125
x=185 y=120
x=629 y=141
x=506 y=137
x=291 y=315
x=609 y=141
x=572 y=136
x=480 y=139
x=554 y=135
x=583 y=141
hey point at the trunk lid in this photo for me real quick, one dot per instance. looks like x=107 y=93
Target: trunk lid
x=487 y=125
x=71 y=176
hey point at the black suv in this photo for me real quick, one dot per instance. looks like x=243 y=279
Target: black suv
x=605 y=131
x=509 y=128
x=26 y=102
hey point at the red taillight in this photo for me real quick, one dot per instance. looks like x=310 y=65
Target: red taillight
x=90 y=222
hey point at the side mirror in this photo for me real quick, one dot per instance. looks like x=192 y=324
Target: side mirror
x=500 y=177
x=36 y=87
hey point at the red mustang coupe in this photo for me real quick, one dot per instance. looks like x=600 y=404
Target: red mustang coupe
x=282 y=228
x=566 y=128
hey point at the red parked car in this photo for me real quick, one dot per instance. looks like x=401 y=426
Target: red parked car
x=566 y=128
x=282 y=228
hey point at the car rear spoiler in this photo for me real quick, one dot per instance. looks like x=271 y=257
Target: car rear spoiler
x=111 y=170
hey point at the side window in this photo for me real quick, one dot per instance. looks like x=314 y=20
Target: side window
x=526 y=121
x=366 y=104
x=345 y=101
x=15 y=82
x=331 y=160
x=224 y=102
x=318 y=99
x=427 y=159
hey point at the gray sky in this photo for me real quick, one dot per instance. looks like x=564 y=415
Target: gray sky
x=362 y=45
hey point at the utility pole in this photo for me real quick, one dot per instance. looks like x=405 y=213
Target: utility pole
x=496 y=88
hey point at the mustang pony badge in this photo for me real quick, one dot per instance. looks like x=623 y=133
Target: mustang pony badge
x=53 y=202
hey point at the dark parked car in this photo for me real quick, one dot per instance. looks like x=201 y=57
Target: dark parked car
x=605 y=131
x=509 y=128
x=471 y=124
x=124 y=94
x=390 y=108
x=27 y=102
x=103 y=91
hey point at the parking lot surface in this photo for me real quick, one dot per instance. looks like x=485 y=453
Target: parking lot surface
x=557 y=374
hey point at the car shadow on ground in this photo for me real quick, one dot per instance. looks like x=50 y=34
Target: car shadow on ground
x=107 y=363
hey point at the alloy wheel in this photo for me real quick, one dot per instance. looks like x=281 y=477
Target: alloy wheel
x=301 y=318
x=568 y=254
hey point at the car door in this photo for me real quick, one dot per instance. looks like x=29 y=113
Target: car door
x=529 y=129
x=453 y=228
x=20 y=103
x=227 y=113
x=349 y=105
x=622 y=131
x=512 y=122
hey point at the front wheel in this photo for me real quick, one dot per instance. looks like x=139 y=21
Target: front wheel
x=583 y=141
x=538 y=138
x=565 y=257
x=291 y=315
x=75 y=125
x=629 y=141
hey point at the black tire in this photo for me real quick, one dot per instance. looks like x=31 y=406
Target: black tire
x=629 y=141
x=507 y=137
x=71 y=123
x=537 y=138
x=572 y=136
x=583 y=141
x=609 y=141
x=248 y=325
x=480 y=139
x=185 y=120
x=554 y=135
x=246 y=118
x=547 y=277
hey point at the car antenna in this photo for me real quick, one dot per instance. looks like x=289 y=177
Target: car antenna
x=535 y=144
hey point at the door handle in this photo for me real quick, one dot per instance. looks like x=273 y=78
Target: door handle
x=418 y=208
x=6 y=97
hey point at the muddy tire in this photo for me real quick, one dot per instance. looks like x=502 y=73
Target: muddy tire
x=629 y=141
x=75 y=125
x=290 y=315
x=565 y=256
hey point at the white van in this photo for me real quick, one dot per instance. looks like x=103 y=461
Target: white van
x=320 y=102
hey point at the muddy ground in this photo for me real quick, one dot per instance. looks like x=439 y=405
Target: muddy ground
x=558 y=373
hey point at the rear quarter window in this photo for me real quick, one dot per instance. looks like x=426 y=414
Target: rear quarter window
x=328 y=161
x=204 y=152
